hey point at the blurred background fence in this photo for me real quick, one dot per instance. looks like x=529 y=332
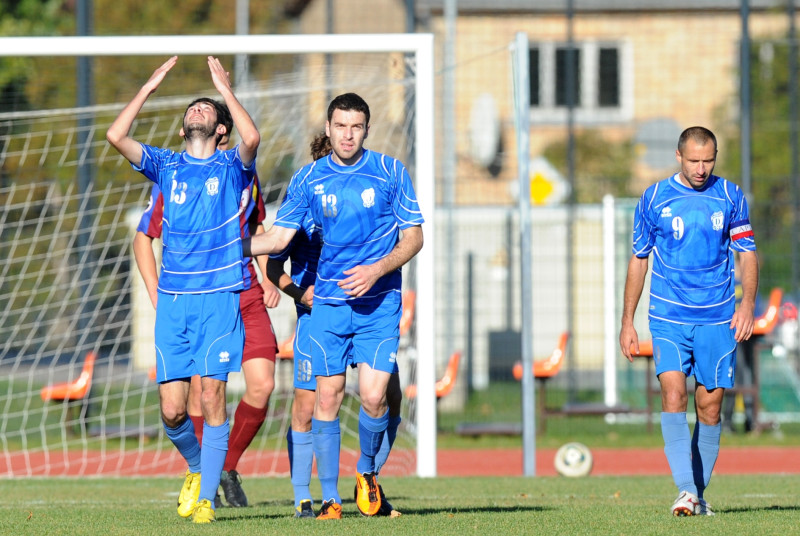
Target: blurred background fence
x=612 y=85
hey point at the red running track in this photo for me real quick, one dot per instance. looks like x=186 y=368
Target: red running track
x=651 y=461
x=484 y=462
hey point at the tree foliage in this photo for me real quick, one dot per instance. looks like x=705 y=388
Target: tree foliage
x=27 y=18
x=27 y=84
x=601 y=166
x=771 y=205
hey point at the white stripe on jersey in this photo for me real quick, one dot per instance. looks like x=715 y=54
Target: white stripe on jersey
x=218 y=269
x=223 y=246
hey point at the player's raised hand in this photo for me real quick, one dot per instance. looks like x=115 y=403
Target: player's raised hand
x=219 y=75
x=118 y=133
x=159 y=74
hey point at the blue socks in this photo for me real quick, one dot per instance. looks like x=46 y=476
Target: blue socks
x=677 y=447
x=705 y=450
x=182 y=436
x=215 y=448
x=387 y=443
x=370 y=436
x=326 y=438
x=301 y=458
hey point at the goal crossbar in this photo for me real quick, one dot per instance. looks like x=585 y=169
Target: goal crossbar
x=142 y=45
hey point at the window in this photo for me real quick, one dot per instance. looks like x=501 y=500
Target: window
x=568 y=80
x=597 y=76
x=533 y=65
x=608 y=78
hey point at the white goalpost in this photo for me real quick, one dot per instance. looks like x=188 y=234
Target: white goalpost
x=70 y=288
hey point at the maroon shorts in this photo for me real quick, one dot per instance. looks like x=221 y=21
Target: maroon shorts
x=259 y=337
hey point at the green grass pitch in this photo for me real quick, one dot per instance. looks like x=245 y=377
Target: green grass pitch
x=753 y=504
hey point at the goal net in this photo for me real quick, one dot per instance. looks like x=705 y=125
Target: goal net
x=76 y=325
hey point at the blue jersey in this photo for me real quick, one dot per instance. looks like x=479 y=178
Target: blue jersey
x=359 y=210
x=152 y=220
x=692 y=235
x=201 y=230
x=303 y=251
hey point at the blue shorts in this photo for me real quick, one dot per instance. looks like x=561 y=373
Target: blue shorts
x=198 y=334
x=707 y=352
x=303 y=375
x=343 y=335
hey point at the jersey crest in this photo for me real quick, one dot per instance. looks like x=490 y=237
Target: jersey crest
x=368 y=197
x=212 y=186
x=717 y=220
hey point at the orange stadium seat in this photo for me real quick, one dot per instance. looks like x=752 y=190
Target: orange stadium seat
x=445 y=385
x=767 y=322
x=543 y=370
x=546 y=368
x=75 y=391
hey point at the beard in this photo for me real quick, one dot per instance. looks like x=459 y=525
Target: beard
x=199 y=130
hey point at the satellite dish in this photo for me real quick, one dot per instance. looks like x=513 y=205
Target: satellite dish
x=484 y=130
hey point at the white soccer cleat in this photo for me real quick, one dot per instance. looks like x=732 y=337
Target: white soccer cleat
x=687 y=504
x=703 y=509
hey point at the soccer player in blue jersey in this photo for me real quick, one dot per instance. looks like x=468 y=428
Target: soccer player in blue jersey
x=691 y=224
x=303 y=254
x=198 y=324
x=365 y=208
x=260 y=346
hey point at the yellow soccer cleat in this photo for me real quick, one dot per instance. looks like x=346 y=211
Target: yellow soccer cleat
x=204 y=512
x=368 y=498
x=190 y=492
x=386 y=509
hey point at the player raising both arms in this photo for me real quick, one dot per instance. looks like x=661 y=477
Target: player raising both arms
x=198 y=324
x=692 y=223
x=260 y=346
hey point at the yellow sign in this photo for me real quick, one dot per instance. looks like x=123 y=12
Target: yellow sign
x=541 y=189
x=547 y=185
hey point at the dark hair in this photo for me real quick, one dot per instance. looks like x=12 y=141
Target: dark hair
x=223 y=114
x=320 y=146
x=225 y=118
x=701 y=135
x=349 y=102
